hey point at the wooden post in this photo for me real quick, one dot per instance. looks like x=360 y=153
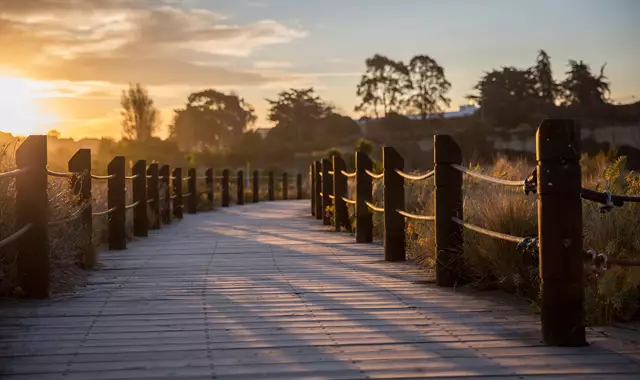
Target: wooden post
x=340 y=212
x=210 y=187
x=299 y=186
x=116 y=195
x=140 y=218
x=225 y=188
x=178 y=201
x=448 y=204
x=327 y=188
x=285 y=186
x=270 y=189
x=364 y=193
x=312 y=181
x=256 y=186
x=240 y=187
x=394 y=239
x=560 y=233
x=32 y=208
x=153 y=193
x=192 y=189
x=165 y=180
x=318 y=190
x=80 y=185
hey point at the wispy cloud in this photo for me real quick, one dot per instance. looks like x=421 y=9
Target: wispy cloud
x=272 y=65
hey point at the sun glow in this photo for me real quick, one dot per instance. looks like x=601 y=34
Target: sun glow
x=20 y=113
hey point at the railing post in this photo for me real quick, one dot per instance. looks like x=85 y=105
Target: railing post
x=192 y=189
x=270 y=188
x=448 y=203
x=256 y=187
x=318 y=190
x=285 y=186
x=153 y=191
x=178 y=202
x=560 y=233
x=394 y=238
x=165 y=181
x=327 y=188
x=364 y=193
x=140 y=218
x=340 y=213
x=32 y=207
x=240 y=187
x=116 y=195
x=299 y=186
x=225 y=188
x=210 y=187
x=80 y=185
x=312 y=181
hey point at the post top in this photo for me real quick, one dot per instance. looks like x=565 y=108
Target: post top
x=558 y=138
x=446 y=150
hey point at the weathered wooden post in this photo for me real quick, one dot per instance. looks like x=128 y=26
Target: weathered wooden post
x=256 y=187
x=192 y=189
x=80 y=185
x=560 y=232
x=312 y=181
x=448 y=204
x=153 y=195
x=140 y=217
x=364 y=193
x=327 y=188
x=340 y=213
x=210 y=187
x=318 y=190
x=285 y=186
x=32 y=214
x=177 y=193
x=225 y=188
x=394 y=238
x=116 y=195
x=270 y=189
x=299 y=186
x=165 y=181
x=240 y=187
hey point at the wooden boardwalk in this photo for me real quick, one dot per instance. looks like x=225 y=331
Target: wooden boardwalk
x=264 y=292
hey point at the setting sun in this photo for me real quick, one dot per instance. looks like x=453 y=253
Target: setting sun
x=21 y=114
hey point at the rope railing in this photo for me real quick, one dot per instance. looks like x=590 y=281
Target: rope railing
x=103 y=177
x=349 y=201
x=330 y=172
x=12 y=173
x=150 y=200
x=499 y=181
x=416 y=216
x=493 y=234
x=76 y=215
x=347 y=174
x=602 y=261
x=374 y=175
x=61 y=174
x=132 y=176
x=15 y=236
x=186 y=194
x=373 y=207
x=413 y=177
x=105 y=212
x=134 y=204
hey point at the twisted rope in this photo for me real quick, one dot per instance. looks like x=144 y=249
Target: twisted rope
x=487 y=178
x=415 y=177
x=497 y=235
x=349 y=201
x=347 y=174
x=150 y=200
x=15 y=236
x=134 y=204
x=374 y=175
x=103 y=177
x=13 y=173
x=105 y=212
x=132 y=176
x=60 y=174
x=415 y=216
x=374 y=208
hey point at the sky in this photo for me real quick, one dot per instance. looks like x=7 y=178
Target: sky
x=64 y=63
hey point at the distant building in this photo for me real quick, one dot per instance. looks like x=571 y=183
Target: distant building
x=463 y=111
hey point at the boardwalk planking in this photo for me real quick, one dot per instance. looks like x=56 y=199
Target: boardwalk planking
x=264 y=292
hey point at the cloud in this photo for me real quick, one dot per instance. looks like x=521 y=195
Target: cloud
x=335 y=60
x=272 y=65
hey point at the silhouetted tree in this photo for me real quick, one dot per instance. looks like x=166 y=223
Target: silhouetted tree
x=582 y=87
x=139 y=115
x=297 y=113
x=429 y=86
x=383 y=85
x=546 y=87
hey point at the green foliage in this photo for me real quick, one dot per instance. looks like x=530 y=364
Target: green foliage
x=365 y=146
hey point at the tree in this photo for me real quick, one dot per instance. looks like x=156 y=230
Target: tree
x=546 y=87
x=297 y=113
x=384 y=84
x=583 y=88
x=429 y=86
x=54 y=133
x=139 y=115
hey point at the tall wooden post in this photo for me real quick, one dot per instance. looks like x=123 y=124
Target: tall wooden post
x=448 y=204
x=178 y=201
x=225 y=188
x=32 y=208
x=210 y=187
x=364 y=193
x=285 y=186
x=560 y=232
x=192 y=189
x=153 y=191
x=270 y=189
x=80 y=185
x=240 y=187
x=394 y=238
x=340 y=213
x=140 y=218
x=299 y=186
x=318 y=190
x=256 y=187
x=327 y=188
x=116 y=195
x=312 y=181
x=165 y=193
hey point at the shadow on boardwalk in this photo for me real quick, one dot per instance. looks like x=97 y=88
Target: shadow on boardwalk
x=263 y=291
